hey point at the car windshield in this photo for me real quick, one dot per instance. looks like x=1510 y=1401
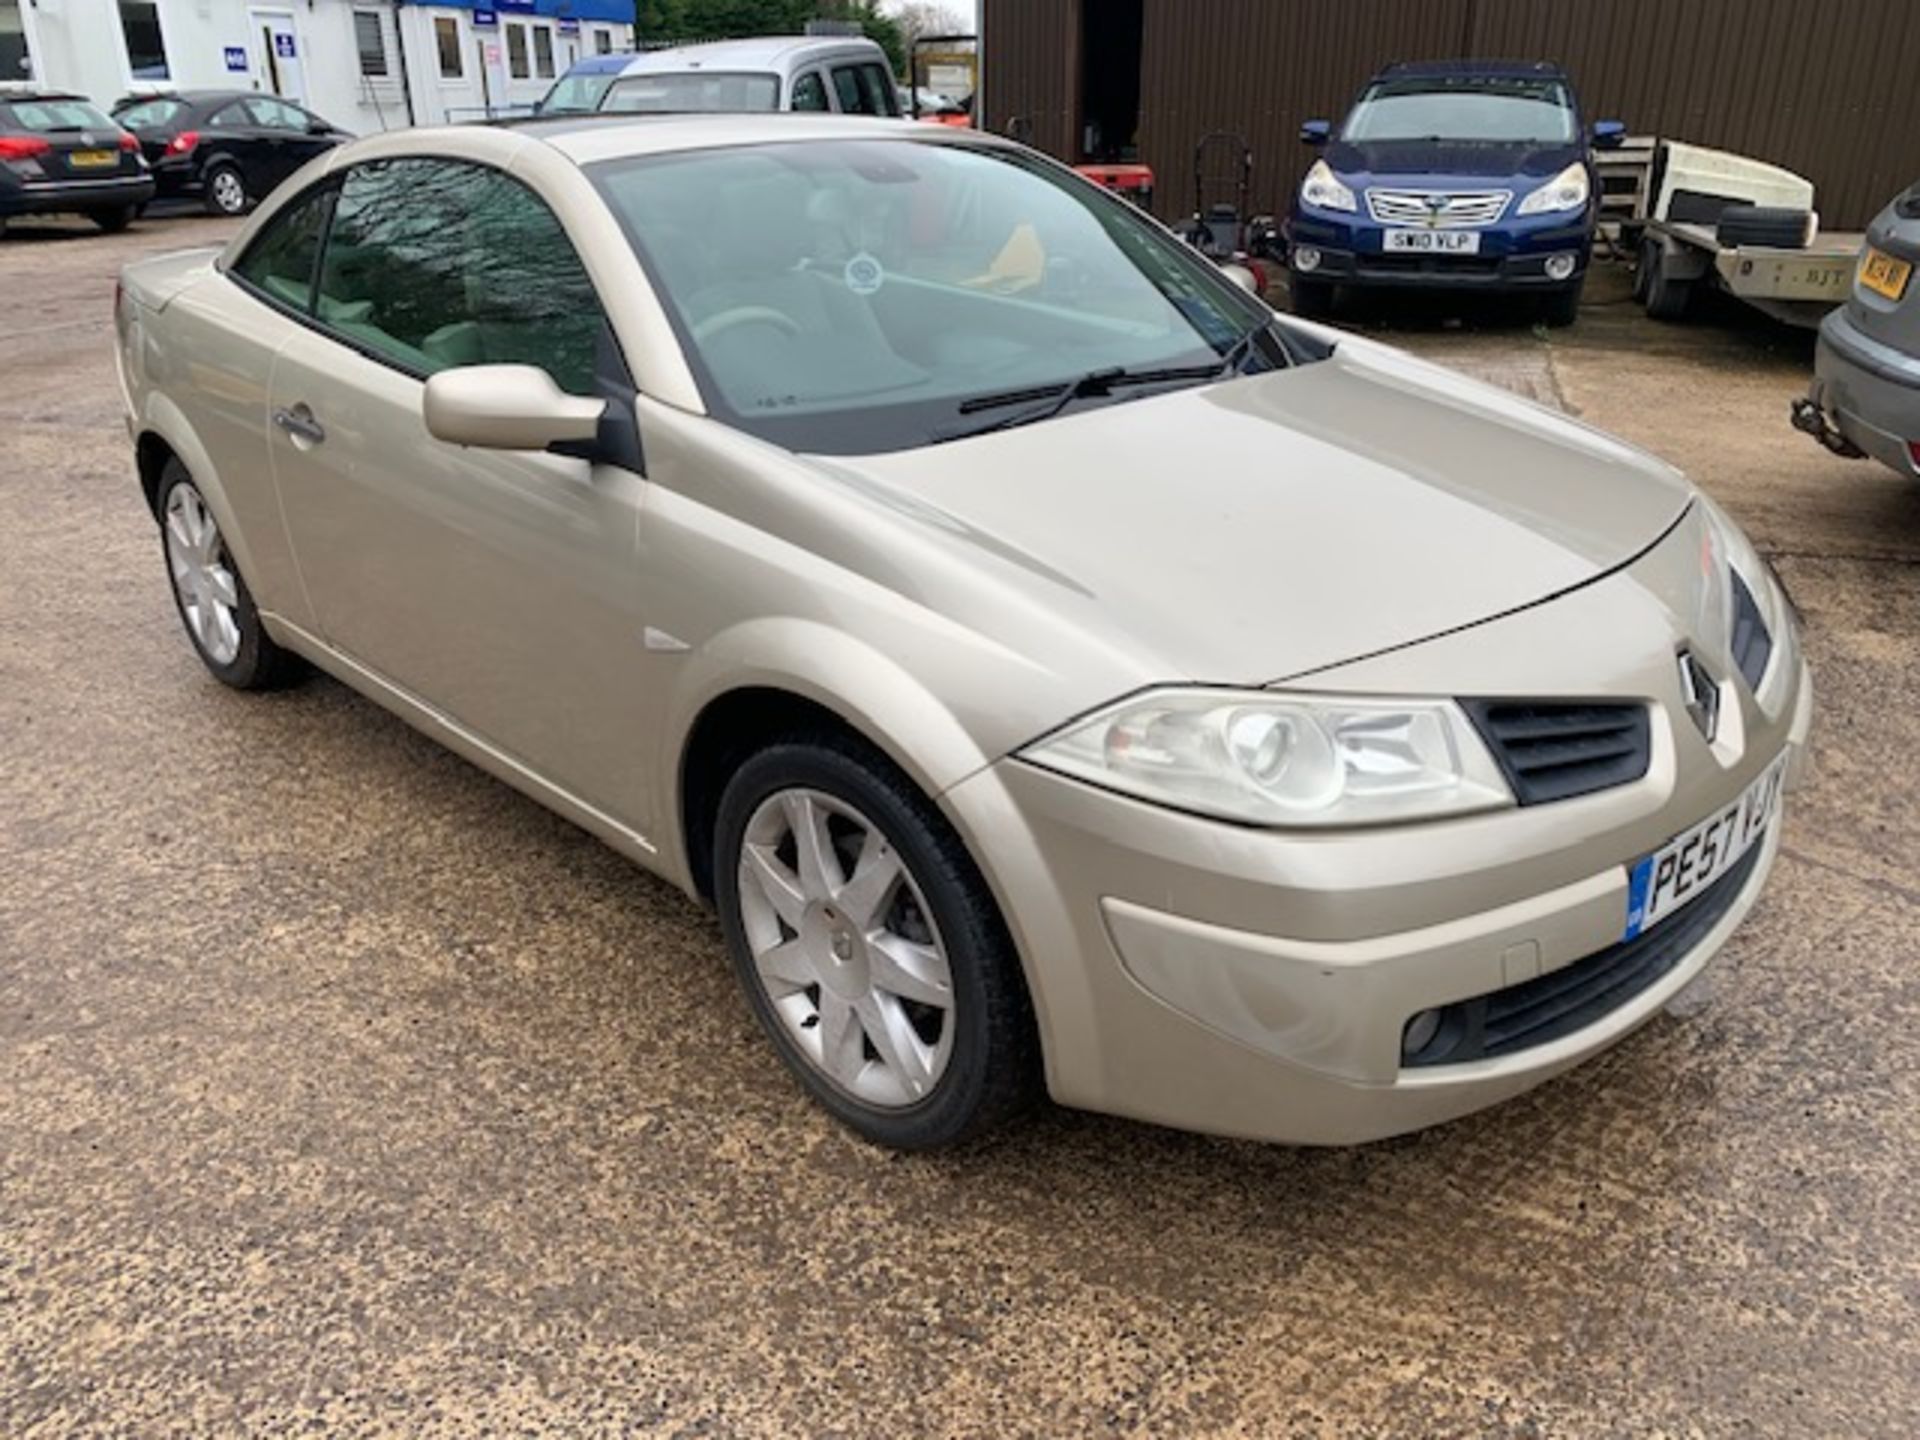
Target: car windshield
x=576 y=94
x=690 y=91
x=53 y=115
x=848 y=297
x=1503 y=110
x=150 y=114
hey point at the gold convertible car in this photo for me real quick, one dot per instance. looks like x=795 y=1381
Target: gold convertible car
x=1053 y=666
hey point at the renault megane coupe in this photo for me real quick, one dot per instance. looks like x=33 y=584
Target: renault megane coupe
x=1053 y=666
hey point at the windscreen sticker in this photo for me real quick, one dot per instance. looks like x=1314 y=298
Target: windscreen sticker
x=864 y=274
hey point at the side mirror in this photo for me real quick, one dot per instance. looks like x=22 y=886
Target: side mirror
x=319 y=127
x=1608 y=134
x=507 y=407
x=1317 y=132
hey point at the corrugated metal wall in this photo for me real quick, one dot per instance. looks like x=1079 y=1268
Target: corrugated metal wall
x=1832 y=91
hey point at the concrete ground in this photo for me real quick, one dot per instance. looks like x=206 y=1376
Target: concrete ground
x=344 y=1091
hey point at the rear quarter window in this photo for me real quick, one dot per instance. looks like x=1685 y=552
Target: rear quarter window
x=280 y=262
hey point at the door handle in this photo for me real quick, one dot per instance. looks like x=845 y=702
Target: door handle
x=300 y=424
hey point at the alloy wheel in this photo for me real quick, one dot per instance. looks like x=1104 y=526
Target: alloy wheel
x=228 y=193
x=203 y=574
x=845 y=948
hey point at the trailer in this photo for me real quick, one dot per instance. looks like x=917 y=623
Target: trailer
x=1707 y=219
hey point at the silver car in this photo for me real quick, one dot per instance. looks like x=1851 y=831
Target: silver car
x=1051 y=664
x=1865 y=398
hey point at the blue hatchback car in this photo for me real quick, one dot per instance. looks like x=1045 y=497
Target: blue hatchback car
x=1458 y=174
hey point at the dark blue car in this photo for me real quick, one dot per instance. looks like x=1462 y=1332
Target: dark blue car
x=1462 y=174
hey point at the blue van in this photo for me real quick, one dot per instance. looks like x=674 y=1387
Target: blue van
x=1463 y=174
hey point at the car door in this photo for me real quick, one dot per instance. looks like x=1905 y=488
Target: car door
x=233 y=134
x=498 y=588
x=289 y=142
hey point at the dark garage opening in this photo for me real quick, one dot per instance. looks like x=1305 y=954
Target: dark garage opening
x=1110 y=33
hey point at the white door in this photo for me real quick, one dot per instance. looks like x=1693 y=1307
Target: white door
x=277 y=57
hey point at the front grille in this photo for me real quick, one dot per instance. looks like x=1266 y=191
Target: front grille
x=1444 y=210
x=1752 y=641
x=1553 y=750
x=1534 y=1012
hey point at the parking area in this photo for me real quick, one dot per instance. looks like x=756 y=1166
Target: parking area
x=343 y=1089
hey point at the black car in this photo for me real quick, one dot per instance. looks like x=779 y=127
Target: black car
x=59 y=154
x=227 y=148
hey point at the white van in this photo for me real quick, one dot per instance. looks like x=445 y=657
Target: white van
x=844 y=75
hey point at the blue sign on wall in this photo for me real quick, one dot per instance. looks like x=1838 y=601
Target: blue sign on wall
x=485 y=19
x=237 y=58
x=283 y=45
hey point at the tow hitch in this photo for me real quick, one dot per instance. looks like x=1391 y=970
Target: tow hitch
x=1810 y=418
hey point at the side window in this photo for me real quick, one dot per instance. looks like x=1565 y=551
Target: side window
x=231 y=117
x=280 y=262
x=882 y=98
x=809 y=93
x=865 y=90
x=846 y=85
x=438 y=263
x=276 y=114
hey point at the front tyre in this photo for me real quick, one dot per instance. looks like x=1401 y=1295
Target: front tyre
x=214 y=603
x=869 y=947
x=226 y=190
x=1560 y=308
x=1310 y=299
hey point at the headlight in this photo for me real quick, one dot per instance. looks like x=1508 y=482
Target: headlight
x=1566 y=191
x=1323 y=189
x=1726 y=551
x=1270 y=758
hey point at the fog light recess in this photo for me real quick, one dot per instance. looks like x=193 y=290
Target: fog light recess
x=1559 y=267
x=1419 y=1033
x=1306 y=259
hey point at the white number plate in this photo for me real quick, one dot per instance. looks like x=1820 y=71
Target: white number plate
x=1663 y=882
x=1435 y=242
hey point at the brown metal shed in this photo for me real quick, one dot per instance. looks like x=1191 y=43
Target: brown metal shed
x=1827 y=91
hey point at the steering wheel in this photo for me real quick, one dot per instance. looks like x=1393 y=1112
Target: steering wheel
x=726 y=320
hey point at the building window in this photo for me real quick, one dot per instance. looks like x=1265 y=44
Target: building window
x=446 y=34
x=146 y=51
x=371 y=38
x=517 y=65
x=15 y=63
x=603 y=42
x=543 y=52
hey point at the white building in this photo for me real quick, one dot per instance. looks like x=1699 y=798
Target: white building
x=366 y=65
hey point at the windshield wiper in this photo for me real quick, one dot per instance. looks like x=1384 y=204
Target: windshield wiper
x=1055 y=398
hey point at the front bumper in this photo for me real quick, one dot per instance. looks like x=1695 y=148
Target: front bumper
x=1513 y=253
x=1870 y=391
x=1255 y=983
x=66 y=197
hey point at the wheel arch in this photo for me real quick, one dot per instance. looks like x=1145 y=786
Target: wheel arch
x=164 y=434
x=770 y=677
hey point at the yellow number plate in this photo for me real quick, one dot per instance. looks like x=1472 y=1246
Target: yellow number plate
x=1884 y=275
x=94 y=159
